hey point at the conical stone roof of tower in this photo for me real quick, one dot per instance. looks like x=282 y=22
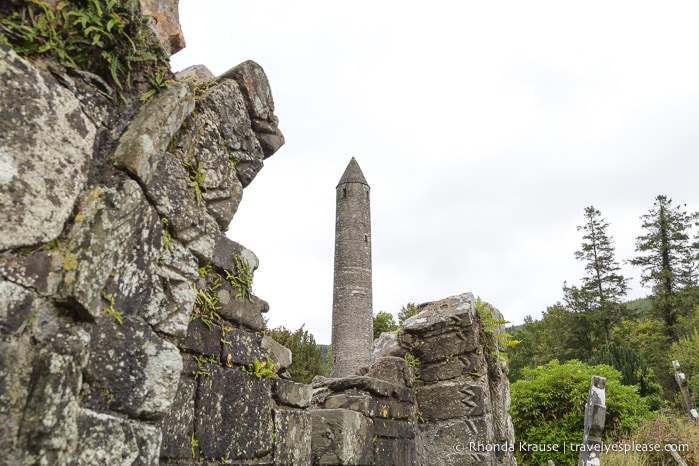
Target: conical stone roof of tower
x=353 y=174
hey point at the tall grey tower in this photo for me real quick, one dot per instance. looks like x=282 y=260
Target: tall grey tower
x=353 y=333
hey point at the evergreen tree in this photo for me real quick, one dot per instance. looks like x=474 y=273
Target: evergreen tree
x=307 y=361
x=406 y=313
x=602 y=291
x=668 y=259
x=383 y=322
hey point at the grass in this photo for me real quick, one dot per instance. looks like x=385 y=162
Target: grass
x=658 y=431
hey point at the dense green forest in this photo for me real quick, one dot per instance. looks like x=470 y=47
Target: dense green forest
x=593 y=329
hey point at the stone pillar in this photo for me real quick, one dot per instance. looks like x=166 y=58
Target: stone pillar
x=595 y=415
x=352 y=332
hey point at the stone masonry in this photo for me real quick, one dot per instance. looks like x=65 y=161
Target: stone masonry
x=352 y=291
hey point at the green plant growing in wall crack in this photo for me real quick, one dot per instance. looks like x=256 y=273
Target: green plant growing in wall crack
x=196 y=179
x=110 y=310
x=242 y=279
x=261 y=369
x=167 y=236
x=491 y=325
x=107 y=37
x=201 y=369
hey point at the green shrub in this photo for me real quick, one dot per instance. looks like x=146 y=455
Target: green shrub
x=548 y=406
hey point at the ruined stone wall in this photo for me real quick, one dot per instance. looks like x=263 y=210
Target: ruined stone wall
x=129 y=333
x=112 y=245
x=436 y=394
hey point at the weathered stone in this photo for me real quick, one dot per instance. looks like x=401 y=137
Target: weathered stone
x=292 y=440
x=387 y=345
x=48 y=431
x=458 y=398
x=151 y=129
x=203 y=338
x=243 y=311
x=166 y=22
x=253 y=82
x=288 y=393
x=448 y=442
x=221 y=134
x=225 y=252
x=234 y=415
x=40 y=271
x=242 y=348
x=115 y=240
x=394 y=452
x=15 y=307
x=280 y=355
x=43 y=132
x=107 y=439
x=394 y=428
x=15 y=358
x=131 y=370
x=452 y=367
x=172 y=297
x=178 y=425
x=196 y=76
x=441 y=346
x=392 y=369
x=371 y=385
x=455 y=311
x=341 y=437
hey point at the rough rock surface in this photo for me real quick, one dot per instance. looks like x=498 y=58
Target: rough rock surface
x=463 y=393
x=124 y=335
x=43 y=134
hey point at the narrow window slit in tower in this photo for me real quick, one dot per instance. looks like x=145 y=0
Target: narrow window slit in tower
x=344 y=193
x=366 y=238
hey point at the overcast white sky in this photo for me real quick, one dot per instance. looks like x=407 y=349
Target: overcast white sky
x=483 y=128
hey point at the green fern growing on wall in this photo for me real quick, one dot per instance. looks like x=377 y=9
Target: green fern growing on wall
x=107 y=37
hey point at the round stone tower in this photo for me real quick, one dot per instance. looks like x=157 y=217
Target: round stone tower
x=352 y=334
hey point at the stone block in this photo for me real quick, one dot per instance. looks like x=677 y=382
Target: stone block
x=453 y=312
x=395 y=452
x=341 y=437
x=242 y=348
x=439 y=438
x=392 y=369
x=292 y=440
x=166 y=24
x=280 y=354
x=452 y=399
x=441 y=346
x=45 y=150
x=360 y=402
x=16 y=305
x=394 y=428
x=49 y=430
x=178 y=424
x=258 y=96
x=203 y=338
x=288 y=393
x=233 y=415
x=387 y=345
x=371 y=385
x=131 y=370
x=114 y=246
x=389 y=408
x=222 y=130
x=242 y=311
x=225 y=252
x=451 y=367
x=106 y=439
